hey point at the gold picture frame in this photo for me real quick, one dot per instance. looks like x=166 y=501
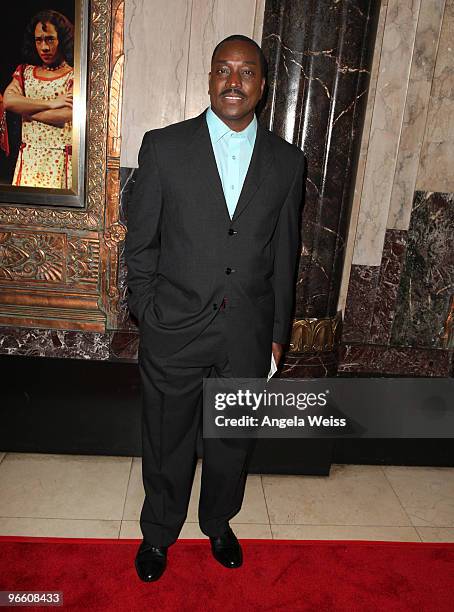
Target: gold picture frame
x=59 y=263
x=74 y=196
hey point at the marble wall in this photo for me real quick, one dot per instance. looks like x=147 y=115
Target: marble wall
x=405 y=57
x=398 y=272
x=427 y=279
x=168 y=47
x=398 y=276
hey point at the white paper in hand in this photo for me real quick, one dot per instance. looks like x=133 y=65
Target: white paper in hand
x=272 y=369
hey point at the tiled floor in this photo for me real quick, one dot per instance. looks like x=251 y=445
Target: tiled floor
x=80 y=496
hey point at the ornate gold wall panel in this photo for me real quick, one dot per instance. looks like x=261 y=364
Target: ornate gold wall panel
x=447 y=336
x=316 y=335
x=59 y=266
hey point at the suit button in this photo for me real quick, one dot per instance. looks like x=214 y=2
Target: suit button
x=215 y=306
x=228 y=270
x=232 y=232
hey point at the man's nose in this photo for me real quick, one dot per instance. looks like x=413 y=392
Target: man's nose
x=234 y=80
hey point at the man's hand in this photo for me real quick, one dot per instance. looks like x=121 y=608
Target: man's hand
x=278 y=350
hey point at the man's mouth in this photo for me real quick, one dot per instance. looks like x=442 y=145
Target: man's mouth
x=233 y=96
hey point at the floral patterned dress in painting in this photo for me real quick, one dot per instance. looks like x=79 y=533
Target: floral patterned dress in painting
x=45 y=153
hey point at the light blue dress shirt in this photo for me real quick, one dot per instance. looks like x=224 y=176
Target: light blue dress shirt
x=233 y=152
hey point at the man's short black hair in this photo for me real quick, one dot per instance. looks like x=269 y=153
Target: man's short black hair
x=263 y=62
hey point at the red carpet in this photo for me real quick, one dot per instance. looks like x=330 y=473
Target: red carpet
x=318 y=576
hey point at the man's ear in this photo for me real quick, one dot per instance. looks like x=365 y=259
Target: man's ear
x=209 y=79
x=262 y=86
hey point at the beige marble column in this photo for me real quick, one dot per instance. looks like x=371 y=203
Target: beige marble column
x=415 y=114
x=168 y=47
x=157 y=35
x=437 y=154
x=389 y=104
x=397 y=141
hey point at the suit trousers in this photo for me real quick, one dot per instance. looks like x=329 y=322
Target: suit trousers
x=171 y=419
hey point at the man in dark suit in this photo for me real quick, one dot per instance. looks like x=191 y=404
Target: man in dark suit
x=211 y=250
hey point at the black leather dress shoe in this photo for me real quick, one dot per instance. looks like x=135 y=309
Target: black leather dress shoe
x=150 y=561
x=226 y=549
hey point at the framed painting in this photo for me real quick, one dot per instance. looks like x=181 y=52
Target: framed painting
x=43 y=100
x=60 y=246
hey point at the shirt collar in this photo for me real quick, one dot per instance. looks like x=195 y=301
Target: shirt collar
x=218 y=129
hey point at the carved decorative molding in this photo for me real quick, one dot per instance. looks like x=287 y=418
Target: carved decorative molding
x=32 y=257
x=83 y=260
x=316 y=335
x=59 y=267
x=114 y=234
x=447 y=337
x=115 y=231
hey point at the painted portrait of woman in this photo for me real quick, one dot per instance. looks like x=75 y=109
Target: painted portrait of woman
x=41 y=93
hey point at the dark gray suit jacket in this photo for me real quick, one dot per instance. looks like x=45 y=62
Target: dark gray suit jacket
x=184 y=253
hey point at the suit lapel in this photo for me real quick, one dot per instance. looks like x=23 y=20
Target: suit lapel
x=204 y=163
x=257 y=171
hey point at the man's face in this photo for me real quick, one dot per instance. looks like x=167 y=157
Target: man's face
x=46 y=41
x=236 y=83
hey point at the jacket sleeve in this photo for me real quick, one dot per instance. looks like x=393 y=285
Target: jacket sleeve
x=142 y=245
x=286 y=256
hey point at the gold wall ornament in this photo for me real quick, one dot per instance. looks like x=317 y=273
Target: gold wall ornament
x=447 y=336
x=315 y=335
x=115 y=110
x=114 y=234
x=83 y=260
x=28 y=256
x=59 y=266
